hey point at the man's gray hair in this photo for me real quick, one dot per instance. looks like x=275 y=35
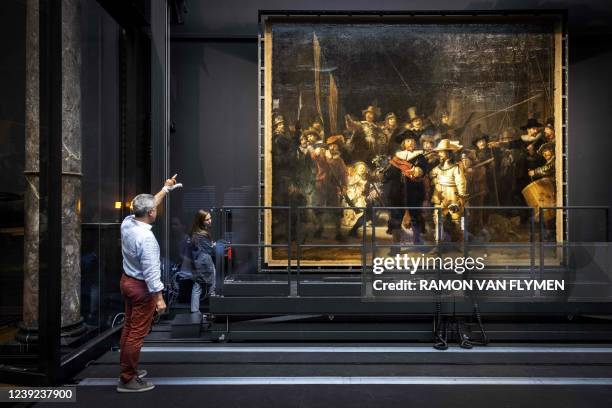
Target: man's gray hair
x=142 y=204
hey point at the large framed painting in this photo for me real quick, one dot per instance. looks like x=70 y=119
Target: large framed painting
x=458 y=119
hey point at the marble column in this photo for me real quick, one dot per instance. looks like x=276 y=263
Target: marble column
x=71 y=321
x=71 y=163
x=31 y=172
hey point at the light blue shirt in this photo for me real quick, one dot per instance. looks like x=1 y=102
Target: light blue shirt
x=141 y=253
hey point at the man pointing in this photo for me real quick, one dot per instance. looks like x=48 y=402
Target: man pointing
x=141 y=284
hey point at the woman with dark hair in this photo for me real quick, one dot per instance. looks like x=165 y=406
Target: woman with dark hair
x=203 y=255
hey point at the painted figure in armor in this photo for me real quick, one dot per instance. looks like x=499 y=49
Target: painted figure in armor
x=449 y=186
x=367 y=136
x=547 y=151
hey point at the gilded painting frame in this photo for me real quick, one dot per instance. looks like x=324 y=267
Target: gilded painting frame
x=267 y=103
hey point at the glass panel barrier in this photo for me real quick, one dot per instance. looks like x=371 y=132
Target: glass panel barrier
x=14 y=189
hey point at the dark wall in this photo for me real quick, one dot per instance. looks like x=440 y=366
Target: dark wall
x=12 y=99
x=215 y=87
x=214 y=109
x=100 y=114
x=12 y=155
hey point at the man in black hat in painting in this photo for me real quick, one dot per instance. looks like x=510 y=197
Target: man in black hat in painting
x=534 y=136
x=405 y=181
x=282 y=160
x=417 y=123
x=485 y=158
x=444 y=127
x=511 y=173
x=391 y=129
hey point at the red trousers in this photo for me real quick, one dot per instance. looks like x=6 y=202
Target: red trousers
x=139 y=311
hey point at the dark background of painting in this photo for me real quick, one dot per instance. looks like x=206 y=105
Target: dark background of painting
x=441 y=66
x=214 y=93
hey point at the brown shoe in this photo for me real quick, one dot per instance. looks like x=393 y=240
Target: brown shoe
x=137 y=384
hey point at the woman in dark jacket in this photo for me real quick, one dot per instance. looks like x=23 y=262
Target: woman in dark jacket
x=203 y=257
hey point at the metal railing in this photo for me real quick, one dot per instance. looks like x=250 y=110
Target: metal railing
x=294 y=221
x=300 y=245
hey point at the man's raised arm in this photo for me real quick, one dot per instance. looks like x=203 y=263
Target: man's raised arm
x=169 y=185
